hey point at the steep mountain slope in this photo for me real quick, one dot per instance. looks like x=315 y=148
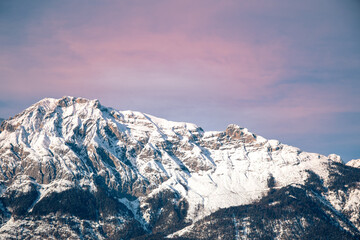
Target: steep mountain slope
x=287 y=213
x=71 y=167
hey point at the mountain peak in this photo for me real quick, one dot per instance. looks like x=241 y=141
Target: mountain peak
x=65 y=101
x=354 y=163
x=144 y=171
x=68 y=101
x=335 y=158
x=236 y=132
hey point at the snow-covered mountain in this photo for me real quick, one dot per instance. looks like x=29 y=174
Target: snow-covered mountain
x=72 y=168
x=354 y=163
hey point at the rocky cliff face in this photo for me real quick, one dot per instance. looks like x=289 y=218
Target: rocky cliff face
x=72 y=168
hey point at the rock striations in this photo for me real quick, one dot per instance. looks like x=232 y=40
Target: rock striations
x=71 y=168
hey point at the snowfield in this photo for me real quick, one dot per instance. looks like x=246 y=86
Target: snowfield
x=58 y=145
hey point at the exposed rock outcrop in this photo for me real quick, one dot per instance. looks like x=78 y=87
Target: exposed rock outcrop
x=98 y=173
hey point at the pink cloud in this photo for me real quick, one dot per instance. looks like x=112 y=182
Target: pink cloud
x=128 y=49
x=211 y=61
x=172 y=54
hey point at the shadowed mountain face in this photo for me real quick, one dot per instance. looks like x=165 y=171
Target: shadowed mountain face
x=72 y=168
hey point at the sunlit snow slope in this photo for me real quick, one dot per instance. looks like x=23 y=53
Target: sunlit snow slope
x=58 y=145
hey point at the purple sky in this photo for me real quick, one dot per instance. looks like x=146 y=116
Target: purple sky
x=288 y=70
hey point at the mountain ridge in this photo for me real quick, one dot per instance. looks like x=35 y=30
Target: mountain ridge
x=144 y=171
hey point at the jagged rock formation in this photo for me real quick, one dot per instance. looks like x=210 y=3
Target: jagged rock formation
x=72 y=168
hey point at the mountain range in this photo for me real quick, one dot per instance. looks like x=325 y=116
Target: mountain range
x=72 y=168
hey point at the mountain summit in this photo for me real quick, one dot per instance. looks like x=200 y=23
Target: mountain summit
x=72 y=168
